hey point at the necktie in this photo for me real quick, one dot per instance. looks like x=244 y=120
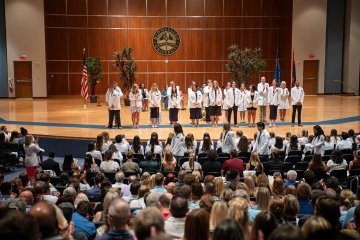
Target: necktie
x=258 y=140
x=208 y=98
x=215 y=94
x=196 y=97
x=234 y=95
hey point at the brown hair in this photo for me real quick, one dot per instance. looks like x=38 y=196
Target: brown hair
x=197 y=225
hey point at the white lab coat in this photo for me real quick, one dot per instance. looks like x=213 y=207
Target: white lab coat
x=178 y=145
x=263 y=89
x=145 y=91
x=174 y=101
x=274 y=96
x=218 y=100
x=317 y=144
x=284 y=98
x=207 y=90
x=249 y=102
x=261 y=144
x=31 y=157
x=242 y=101
x=195 y=99
x=154 y=98
x=344 y=144
x=109 y=91
x=135 y=99
x=227 y=142
x=297 y=95
x=230 y=100
x=114 y=100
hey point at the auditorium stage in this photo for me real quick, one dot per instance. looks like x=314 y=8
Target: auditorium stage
x=64 y=116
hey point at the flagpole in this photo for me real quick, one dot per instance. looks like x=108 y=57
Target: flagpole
x=84 y=96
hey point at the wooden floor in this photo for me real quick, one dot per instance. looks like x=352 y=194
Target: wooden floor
x=66 y=117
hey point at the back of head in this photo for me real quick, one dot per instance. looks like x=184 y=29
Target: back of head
x=233 y=153
x=197 y=224
x=238 y=210
x=120 y=176
x=228 y=229
x=148 y=219
x=286 y=232
x=314 y=224
x=44 y=215
x=291 y=205
x=329 y=209
x=159 y=179
x=84 y=208
x=185 y=191
x=212 y=155
x=16 y=225
x=178 y=207
x=119 y=213
x=134 y=187
x=264 y=222
x=152 y=199
x=291 y=175
x=51 y=155
x=304 y=190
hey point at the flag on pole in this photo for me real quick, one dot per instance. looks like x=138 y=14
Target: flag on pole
x=277 y=69
x=293 y=68
x=84 y=79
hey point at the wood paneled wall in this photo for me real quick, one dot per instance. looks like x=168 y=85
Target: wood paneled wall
x=206 y=28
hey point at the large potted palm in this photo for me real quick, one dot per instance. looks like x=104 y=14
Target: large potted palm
x=127 y=68
x=95 y=75
x=244 y=63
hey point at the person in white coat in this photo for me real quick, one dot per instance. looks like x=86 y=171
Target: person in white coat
x=206 y=104
x=261 y=144
x=114 y=107
x=135 y=105
x=154 y=104
x=251 y=99
x=178 y=143
x=242 y=102
x=318 y=141
x=32 y=151
x=216 y=101
x=227 y=139
x=109 y=91
x=174 y=105
x=232 y=100
x=195 y=100
x=144 y=97
x=284 y=101
x=224 y=106
x=263 y=89
x=297 y=100
x=274 y=101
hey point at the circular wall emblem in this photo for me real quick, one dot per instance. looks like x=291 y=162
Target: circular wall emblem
x=166 y=41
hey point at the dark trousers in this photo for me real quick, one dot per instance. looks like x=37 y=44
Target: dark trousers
x=207 y=113
x=230 y=110
x=116 y=114
x=294 y=109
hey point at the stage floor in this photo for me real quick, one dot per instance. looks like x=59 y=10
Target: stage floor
x=65 y=117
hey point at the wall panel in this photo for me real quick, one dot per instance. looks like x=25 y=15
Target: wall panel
x=206 y=28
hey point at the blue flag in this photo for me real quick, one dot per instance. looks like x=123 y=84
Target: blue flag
x=277 y=70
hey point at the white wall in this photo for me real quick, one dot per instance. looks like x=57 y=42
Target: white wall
x=352 y=48
x=309 y=35
x=25 y=34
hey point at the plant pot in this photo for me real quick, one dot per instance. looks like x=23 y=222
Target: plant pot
x=127 y=102
x=93 y=99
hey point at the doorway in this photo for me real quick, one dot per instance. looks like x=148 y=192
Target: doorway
x=23 y=79
x=310 y=76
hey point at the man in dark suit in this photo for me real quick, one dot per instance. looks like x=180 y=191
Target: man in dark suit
x=274 y=163
x=51 y=164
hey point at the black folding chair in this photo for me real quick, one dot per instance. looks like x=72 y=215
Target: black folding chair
x=301 y=166
x=293 y=159
x=215 y=174
x=295 y=153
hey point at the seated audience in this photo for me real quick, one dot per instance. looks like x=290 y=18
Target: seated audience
x=336 y=162
x=233 y=163
x=109 y=165
x=51 y=164
x=211 y=165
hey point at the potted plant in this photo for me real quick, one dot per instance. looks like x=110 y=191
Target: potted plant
x=126 y=64
x=95 y=75
x=243 y=63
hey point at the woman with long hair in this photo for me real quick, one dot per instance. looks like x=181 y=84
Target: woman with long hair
x=263 y=198
x=99 y=142
x=197 y=225
x=190 y=143
x=336 y=162
x=191 y=165
x=219 y=211
x=144 y=96
x=242 y=104
x=318 y=141
x=278 y=187
x=95 y=153
x=216 y=101
x=137 y=147
x=284 y=101
x=316 y=164
x=274 y=101
x=116 y=154
x=251 y=104
x=89 y=164
x=206 y=144
x=135 y=105
x=32 y=150
x=279 y=145
x=195 y=100
x=243 y=145
x=334 y=138
x=355 y=164
x=174 y=105
x=293 y=144
x=154 y=145
x=238 y=210
x=106 y=141
x=70 y=163
x=178 y=142
x=155 y=100
x=169 y=162
x=249 y=181
x=255 y=164
x=167 y=143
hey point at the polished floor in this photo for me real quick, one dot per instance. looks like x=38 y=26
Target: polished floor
x=66 y=117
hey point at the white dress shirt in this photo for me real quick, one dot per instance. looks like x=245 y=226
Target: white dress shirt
x=109 y=91
x=207 y=90
x=263 y=89
x=174 y=101
x=344 y=144
x=297 y=95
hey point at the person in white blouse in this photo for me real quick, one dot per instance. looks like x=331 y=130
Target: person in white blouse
x=122 y=146
x=297 y=100
x=144 y=97
x=242 y=102
x=206 y=104
x=251 y=104
x=227 y=139
x=263 y=89
x=318 y=140
x=274 y=101
x=224 y=106
x=195 y=100
x=135 y=105
x=345 y=142
x=284 y=101
x=232 y=100
x=32 y=150
x=261 y=144
x=93 y=152
x=174 y=105
x=216 y=100
x=154 y=100
x=109 y=165
x=113 y=100
x=178 y=143
x=154 y=146
x=136 y=146
x=334 y=138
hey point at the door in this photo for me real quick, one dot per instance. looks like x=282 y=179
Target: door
x=310 y=76
x=23 y=79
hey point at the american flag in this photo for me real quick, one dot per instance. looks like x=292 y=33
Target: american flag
x=84 y=79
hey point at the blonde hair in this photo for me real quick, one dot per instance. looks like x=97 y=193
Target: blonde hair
x=111 y=195
x=278 y=186
x=145 y=179
x=291 y=205
x=238 y=210
x=154 y=85
x=249 y=181
x=105 y=135
x=314 y=224
x=283 y=83
x=255 y=159
x=197 y=175
x=135 y=88
x=62 y=222
x=346 y=198
x=28 y=139
x=263 y=198
x=219 y=186
x=192 y=159
x=219 y=211
x=226 y=195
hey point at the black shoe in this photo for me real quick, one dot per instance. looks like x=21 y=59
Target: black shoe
x=109 y=127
